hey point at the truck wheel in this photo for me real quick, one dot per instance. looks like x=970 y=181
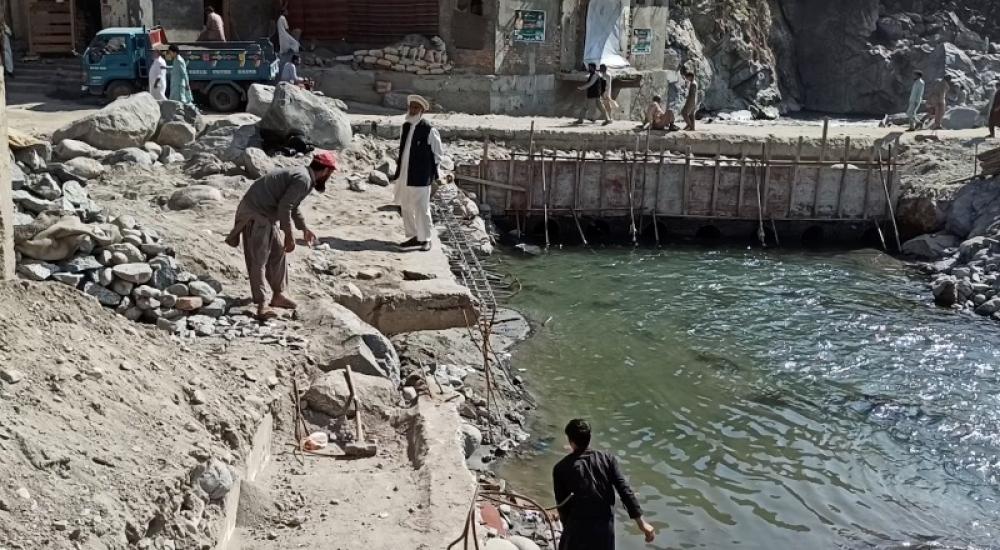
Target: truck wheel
x=118 y=89
x=224 y=99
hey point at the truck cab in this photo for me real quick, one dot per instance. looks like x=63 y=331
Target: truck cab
x=117 y=64
x=115 y=61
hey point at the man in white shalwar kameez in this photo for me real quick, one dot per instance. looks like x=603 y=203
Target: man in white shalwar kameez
x=158 y=77
x=420 y=154
x=286 y=42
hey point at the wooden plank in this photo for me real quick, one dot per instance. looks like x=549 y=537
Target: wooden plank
x=715 y=179
x=767 y=179
x=795 y=173
x=826 y=130
x=484 y=164
x=868 y=183
x=489 y=183
x=743 y=173
x=843 y=177
x=684 y=181
x=577 y=176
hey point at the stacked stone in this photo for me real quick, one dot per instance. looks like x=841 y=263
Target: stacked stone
x=403 y=58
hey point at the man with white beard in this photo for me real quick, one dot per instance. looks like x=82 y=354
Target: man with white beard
x=420 y=154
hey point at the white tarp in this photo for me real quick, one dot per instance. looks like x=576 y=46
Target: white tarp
x=605 y=24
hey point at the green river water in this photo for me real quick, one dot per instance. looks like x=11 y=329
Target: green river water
x=766 y=399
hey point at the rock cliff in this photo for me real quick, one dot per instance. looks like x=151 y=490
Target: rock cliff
x=849 y=56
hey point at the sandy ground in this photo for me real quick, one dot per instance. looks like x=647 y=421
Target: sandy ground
x=44 y=117
x=357 y=253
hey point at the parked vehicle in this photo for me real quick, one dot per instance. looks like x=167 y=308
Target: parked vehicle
x=117 y=64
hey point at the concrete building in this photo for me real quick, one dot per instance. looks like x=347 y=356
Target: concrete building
x=59 y=27
x=498 y=67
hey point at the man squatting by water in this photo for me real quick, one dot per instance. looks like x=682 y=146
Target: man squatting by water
x=585 y=483
x=272 y=203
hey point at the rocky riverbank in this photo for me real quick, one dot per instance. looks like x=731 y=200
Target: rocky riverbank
x=135 y=363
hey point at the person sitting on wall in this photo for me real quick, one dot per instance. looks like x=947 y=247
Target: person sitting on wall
x=290 y=74
x=658 y=118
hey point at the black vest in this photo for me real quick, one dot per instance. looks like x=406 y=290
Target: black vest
x=422 y=168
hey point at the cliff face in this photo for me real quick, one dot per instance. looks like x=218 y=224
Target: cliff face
x=848 y=56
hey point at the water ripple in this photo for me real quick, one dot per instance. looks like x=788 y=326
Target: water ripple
x=770 y=400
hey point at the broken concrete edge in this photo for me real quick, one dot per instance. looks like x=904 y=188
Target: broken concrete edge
x=7 y=256
x=256 y=460
x=676 y=142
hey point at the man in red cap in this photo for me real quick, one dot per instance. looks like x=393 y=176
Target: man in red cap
x=272 y=203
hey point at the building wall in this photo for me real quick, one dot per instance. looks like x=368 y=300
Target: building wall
x=518 y=58
x=182 y=19
x=573 y=23
x=127 y=13
x=654 y=18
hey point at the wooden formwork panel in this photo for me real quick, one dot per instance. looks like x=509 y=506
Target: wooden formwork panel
x=703 y=188
x=727 y=198
x=804 y=193
x=698 y=190
x=562 y=181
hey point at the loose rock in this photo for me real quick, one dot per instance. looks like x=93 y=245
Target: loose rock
x=193 y=196
x=137 y=273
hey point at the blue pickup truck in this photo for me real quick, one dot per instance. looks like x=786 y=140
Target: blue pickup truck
x=117 y=64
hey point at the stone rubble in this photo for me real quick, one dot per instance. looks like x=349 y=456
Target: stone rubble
x=412 y=55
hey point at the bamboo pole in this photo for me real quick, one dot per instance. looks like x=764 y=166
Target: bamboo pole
x=843 y=177
x=888 y=198
x=826 y=130
x=715 y=179
x=656 y=195
x=767 y=176
x=794 y=184
x=484 y=173
x=531 y=169
x=743 y=173
x=684 y=181
x=545 y=202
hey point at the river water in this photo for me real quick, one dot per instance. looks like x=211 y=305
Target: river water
x=766 y=399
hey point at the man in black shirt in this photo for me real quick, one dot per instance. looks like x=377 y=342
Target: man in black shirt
x=589 y=480
x=595 y=86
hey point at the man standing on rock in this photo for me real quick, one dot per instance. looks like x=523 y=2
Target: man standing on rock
x=690 y=103
x=585 y=483
x=937 y=102
x=180 y=86
x=272 y=203
x=916 y=99
x=420 y=153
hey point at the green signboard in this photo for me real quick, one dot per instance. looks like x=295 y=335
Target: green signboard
x=642 y=41
x=529 y=26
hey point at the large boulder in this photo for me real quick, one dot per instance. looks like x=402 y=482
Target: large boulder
x=194 y=196
x=84 y=168
x=961 y=118
x=202 y=165
x=131 y=155
x=227 y=142
x=177 y=134
x=329 y=393
x=128 y=122
x=175 y=111
x=298 y=110
x=471 y=438
x=255 y=162
x=345 y=339
x=976 y=206
x=919 y=215
x=69 y=149
x=235 y=119
x=259 y=98
x=930 y=247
